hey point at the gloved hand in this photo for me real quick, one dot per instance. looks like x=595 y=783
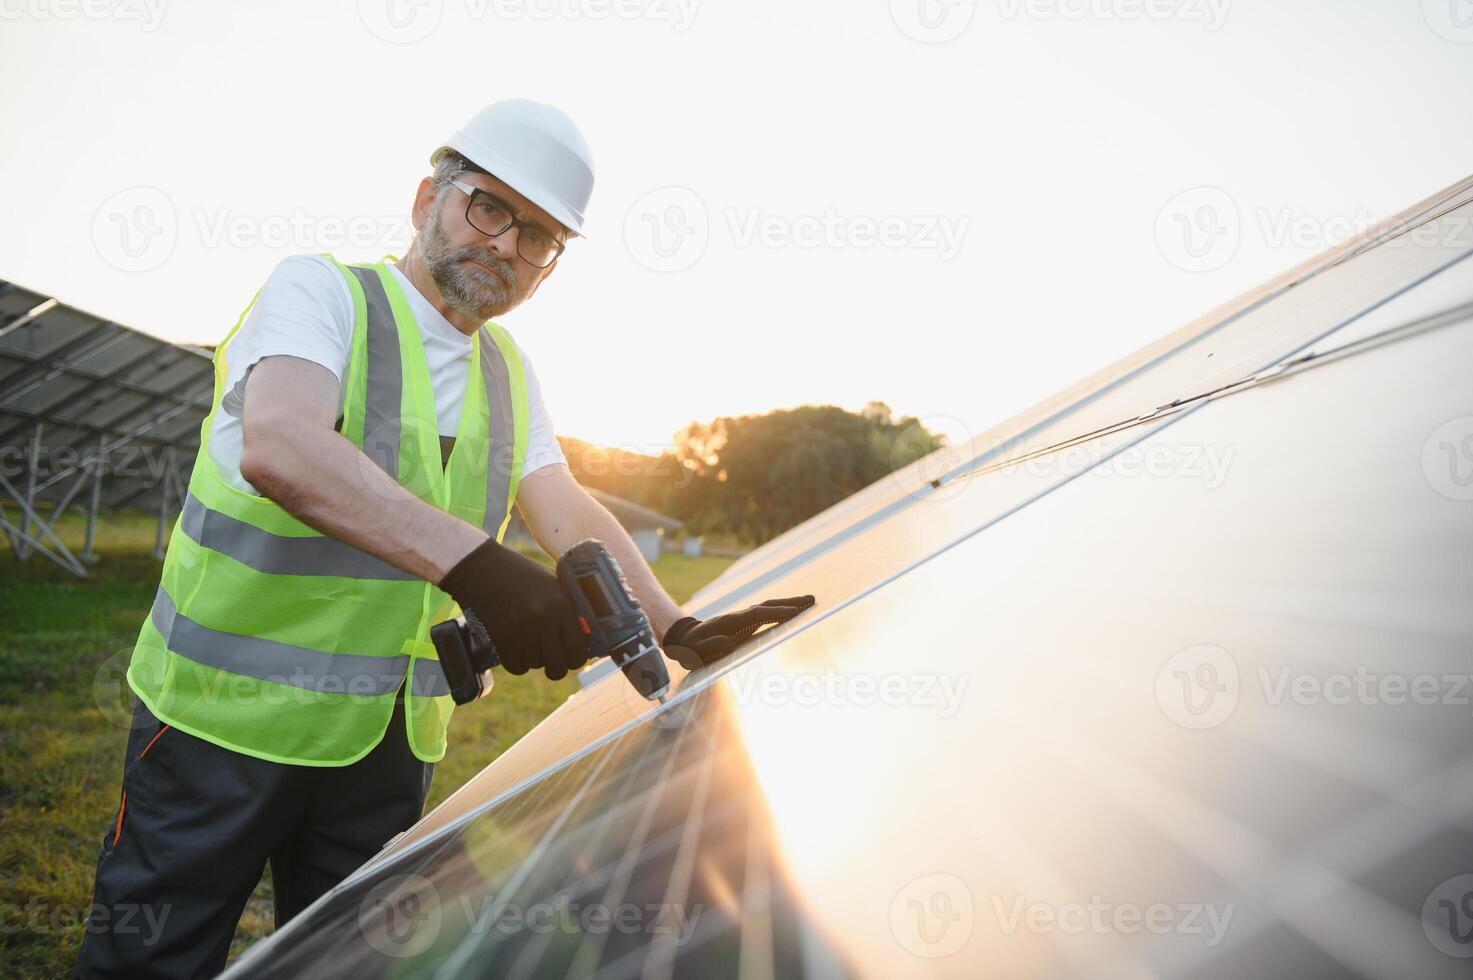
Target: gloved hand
x=523 y=606
x=694 y=643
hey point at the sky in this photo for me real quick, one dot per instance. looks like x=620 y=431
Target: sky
x=953 y=206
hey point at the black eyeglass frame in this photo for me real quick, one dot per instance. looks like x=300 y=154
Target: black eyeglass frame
x=472 y=193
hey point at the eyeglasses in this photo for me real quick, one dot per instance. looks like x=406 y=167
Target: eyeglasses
x=492 y=216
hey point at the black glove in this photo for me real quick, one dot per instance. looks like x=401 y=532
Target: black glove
x=523 y=606
x=694 y=643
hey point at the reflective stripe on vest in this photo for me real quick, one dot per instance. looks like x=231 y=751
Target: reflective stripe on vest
x=277 y=554
x=381 y=422
x=502 y=437
x=363 y=675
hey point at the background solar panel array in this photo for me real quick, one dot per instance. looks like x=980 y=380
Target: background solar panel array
x=1125 y=692
x=95 y=385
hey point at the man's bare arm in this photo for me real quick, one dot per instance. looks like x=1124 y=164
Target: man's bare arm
x=292 y=455
x=560 y=513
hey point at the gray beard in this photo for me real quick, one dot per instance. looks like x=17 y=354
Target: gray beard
x=470 y=290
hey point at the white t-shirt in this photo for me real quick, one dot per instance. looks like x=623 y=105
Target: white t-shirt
x=306 y=310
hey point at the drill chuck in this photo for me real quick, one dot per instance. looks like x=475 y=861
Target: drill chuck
x=608 y=615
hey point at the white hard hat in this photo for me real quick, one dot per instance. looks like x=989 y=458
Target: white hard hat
x=536 y=150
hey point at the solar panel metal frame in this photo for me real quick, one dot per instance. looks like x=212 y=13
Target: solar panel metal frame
x=94 y=415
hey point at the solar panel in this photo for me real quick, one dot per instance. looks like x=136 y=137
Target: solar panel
x=1176 y=684
x=106 y=414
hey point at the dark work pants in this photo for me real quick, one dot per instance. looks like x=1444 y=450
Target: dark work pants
x=196 y=825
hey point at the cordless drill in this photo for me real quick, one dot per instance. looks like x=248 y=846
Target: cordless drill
x=611 y=618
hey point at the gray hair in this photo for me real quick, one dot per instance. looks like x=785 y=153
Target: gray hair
x=450 y=165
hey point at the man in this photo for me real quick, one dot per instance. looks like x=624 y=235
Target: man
x=370 y=432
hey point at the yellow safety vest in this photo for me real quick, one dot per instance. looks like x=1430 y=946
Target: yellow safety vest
x=271 y=639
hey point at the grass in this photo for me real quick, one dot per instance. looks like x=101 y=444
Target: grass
x=63 y=716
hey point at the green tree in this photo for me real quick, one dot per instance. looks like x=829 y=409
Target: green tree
x=755 y=476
